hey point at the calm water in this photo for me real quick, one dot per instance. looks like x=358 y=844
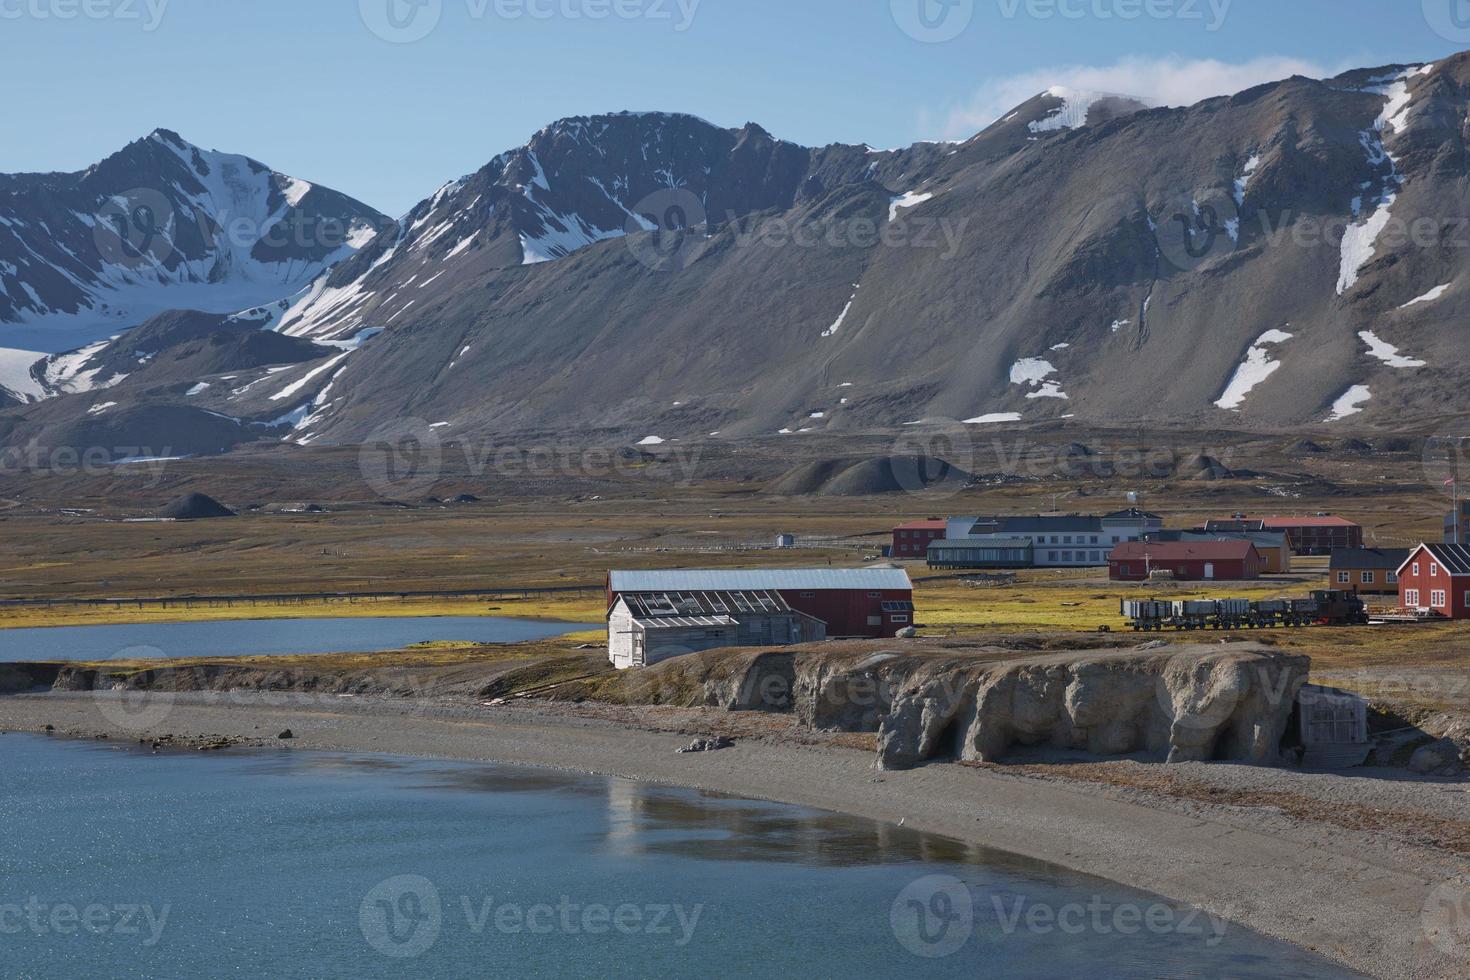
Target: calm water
x=263 y=637
x=124 y=864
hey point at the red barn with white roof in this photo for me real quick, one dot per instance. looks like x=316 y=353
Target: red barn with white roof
x=851 y=602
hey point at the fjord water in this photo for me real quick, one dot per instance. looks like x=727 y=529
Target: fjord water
x=121 y=863
x=263 y=637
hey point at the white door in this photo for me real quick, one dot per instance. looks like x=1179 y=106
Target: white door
x=1209 y=571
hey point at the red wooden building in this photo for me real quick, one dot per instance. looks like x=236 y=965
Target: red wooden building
x=852 y=602
x=911 y=541
x=1436 y=578
x=1189 y=561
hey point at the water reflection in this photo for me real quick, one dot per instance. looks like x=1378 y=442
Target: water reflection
x=645 y=819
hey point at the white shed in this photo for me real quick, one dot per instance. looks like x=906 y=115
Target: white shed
x=646 y=628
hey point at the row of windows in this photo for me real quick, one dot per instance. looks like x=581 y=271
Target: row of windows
x=1438 y=599
x=1096 y=557
x=1366 y=578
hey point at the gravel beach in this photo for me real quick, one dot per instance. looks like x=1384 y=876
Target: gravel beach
x=1301 y=860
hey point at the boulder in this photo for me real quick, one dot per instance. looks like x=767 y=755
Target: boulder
x=715 y=744
x=1435 y=756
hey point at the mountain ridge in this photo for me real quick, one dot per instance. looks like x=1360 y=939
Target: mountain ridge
x=651 y=275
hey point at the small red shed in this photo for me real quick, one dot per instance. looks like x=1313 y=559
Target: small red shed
x=1436 y=578
x=911 y=541
x=1189 y=561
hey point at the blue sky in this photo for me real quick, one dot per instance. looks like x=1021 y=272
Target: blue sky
x=308 y=87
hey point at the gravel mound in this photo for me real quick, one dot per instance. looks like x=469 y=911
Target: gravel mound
x=869 y=477
x=195 y=507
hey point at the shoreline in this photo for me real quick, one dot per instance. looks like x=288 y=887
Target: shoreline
x=1355 y=898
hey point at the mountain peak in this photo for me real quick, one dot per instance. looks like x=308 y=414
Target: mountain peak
x=168 y=136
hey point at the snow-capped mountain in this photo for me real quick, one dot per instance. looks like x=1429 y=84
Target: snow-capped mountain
x=160 y=225
x=1281 y=258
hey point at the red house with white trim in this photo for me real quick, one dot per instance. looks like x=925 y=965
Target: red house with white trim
x=1436 y=578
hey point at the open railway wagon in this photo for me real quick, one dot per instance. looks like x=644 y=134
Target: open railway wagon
x=1324 y=608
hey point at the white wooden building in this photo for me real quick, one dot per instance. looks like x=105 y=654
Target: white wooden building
x=645 y=628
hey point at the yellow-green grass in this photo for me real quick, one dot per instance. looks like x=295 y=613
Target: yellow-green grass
x=1065 y=601
x=422 y=655
x=571 y=608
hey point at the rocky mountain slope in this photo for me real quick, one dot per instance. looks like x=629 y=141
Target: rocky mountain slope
x=1290 y=256
x=159 y=225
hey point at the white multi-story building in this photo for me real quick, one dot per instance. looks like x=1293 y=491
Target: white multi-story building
x=1073 y=541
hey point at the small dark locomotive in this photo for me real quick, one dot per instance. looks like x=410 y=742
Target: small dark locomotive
x=1324 y=608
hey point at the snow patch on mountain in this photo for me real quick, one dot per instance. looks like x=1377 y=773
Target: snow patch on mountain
x=1255 y=369
x=1072 y=113
x=77 y=372
x=1388 y=353
x=1350 y=403
x=842 y=317
x=15 y=373
x=1036 y=373
x=297 y=386
x=1428 y=297
x=1244 y=180
x=1360 y=240
x=908 y=200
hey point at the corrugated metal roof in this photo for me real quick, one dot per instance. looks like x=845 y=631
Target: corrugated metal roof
x=758 y=579
x=645 y=605
x=685 y=622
